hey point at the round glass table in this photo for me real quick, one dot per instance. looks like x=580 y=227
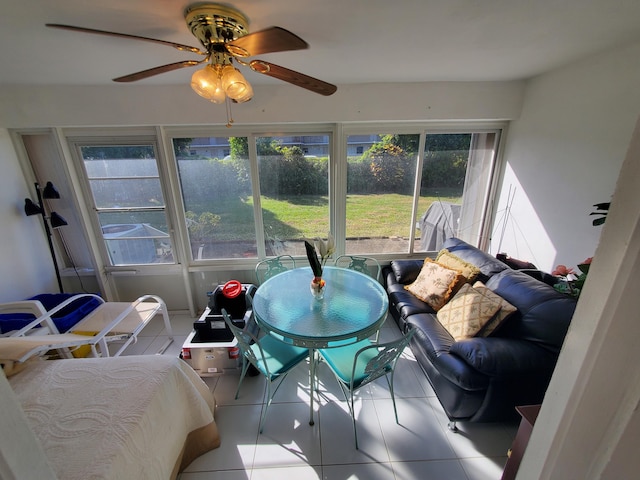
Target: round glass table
x=353 y=308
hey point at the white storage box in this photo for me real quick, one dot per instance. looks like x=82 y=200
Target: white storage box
x=211 y=358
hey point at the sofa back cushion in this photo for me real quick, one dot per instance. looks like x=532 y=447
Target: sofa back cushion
x=406 y=271
x=435 y=284
x=487 y=264
x=449 y=260
x=543 y=314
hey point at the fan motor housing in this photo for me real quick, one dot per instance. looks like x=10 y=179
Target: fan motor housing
x=213 y=24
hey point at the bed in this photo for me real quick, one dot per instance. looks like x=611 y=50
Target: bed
x=142 y=417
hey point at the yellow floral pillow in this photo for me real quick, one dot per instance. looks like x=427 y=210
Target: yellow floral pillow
x=449 y=260
x=435 y=284
x=467 y=312
x=506 y=309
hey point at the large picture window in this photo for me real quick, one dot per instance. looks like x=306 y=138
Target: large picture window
x=243 y=197
x=404 y=199
x=220 y=200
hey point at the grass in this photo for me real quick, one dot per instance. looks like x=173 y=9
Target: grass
x=381 y=215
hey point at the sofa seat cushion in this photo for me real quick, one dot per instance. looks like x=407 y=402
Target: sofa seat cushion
x=432 y=341
x=405 y=303
x=467 y=312
x=435 y=284
x=499 y=357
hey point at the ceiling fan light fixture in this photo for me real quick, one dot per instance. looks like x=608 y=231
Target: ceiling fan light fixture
x=246 y=96
x=234 y=83
x=203 y=82
x=218 y=96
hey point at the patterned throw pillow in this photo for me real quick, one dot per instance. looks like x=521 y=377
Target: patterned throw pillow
x=435 y=284
x=506 y=309
x=449 y=260
x=467 y=312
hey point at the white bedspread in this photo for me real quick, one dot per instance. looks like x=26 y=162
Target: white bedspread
x=113 y=418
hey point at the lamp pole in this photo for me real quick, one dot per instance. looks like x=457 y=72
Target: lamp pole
x=31 y=209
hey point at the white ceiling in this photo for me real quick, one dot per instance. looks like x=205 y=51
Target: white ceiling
x=351 y=41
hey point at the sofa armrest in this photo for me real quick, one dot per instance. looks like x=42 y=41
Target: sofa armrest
x=496 y=356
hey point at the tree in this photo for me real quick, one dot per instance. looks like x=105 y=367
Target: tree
x=181 y=146
x=201 y=227
x=390 y=166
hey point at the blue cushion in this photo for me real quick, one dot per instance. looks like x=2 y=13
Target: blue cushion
x=279 y=356
x=341 y=359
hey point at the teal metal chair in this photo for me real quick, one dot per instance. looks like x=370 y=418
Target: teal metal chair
x=266 y=269
x=357 y=365
x=271 y=357
x=360 y=264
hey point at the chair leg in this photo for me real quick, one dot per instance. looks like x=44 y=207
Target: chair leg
x=270 y=396
x=393 y=397
x=245 y=367
x=263 y=417
x=353 y=418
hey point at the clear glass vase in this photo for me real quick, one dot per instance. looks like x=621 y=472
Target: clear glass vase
x=317 y=286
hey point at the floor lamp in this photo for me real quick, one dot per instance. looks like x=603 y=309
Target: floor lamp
x=31 y=208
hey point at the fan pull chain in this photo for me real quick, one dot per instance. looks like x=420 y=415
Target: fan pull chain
x=229 y=117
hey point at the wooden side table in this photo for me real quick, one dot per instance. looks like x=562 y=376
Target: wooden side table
x=529 y=414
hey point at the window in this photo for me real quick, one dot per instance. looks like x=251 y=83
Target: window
x=389 y=191
x=219 y=201
x=403 y=200
x=128 y=202
x=294 y=191
x=380 y=185
x=217 y=197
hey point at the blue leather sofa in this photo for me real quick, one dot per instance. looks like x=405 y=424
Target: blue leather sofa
x=483 y=379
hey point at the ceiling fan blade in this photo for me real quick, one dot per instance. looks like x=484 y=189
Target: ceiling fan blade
x=296 y=78
x=179 y=46
x=269 y=40
x=158 y=70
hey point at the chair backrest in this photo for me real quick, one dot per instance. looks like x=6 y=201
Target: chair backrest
x=272 y=266
x=384 y=362
x=359 y=264
x=245 y=338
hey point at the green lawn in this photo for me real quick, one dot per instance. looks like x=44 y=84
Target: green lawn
x=292 y=217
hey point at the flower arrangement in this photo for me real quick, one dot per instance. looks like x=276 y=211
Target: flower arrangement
x=571 y=282
x=325 y=249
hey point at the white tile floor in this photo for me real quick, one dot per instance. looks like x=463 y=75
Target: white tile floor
x=421 y=447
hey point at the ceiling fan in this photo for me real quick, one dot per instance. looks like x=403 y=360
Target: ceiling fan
x=225 y=38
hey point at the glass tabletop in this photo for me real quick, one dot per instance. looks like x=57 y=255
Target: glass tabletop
x=353 y=308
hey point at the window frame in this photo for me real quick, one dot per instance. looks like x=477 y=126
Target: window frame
x=162 y=139
x=423 y=129
x=77 y=139
x=252 y=132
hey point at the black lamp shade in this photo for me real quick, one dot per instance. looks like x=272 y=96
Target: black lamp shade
x=31 y=208
x=57 y=221
x=50 y=191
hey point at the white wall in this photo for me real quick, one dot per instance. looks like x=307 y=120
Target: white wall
x=24 y=107
x=589 y=424
x=25 y=263
x=564 y=154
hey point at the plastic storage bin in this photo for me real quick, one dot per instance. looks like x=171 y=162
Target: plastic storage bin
x=63 y=320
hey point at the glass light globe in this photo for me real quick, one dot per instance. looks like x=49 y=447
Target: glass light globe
x=203 y=82
x=234 y=84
